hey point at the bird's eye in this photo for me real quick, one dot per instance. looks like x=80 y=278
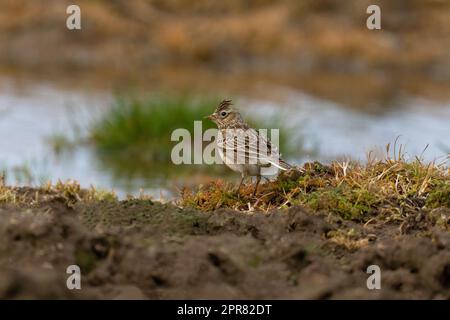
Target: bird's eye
x=223 y=113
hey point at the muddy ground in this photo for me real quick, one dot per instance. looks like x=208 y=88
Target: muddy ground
x=144 y=249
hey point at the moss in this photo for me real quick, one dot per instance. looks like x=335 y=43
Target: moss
x=346 y=202
x=85 y=259
x=389 y=190
x=255 y=261
x=385 y=189
x=439 y=196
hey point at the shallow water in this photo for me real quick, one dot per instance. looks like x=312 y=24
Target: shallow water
x=337 y=132
x=28 y=116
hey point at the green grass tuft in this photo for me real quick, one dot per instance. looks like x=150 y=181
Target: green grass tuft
x=390 y=189
x=140 y=129
x=133 y=138
x=440 y=196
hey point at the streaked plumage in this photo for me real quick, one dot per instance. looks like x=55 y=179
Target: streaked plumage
x=244 y=149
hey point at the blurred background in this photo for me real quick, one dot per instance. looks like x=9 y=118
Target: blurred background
x=99 y=104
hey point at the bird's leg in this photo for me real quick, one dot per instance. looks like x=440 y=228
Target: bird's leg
x=240 y=185
x=258 y=179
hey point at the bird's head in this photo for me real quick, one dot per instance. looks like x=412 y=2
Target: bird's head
x=225 y=116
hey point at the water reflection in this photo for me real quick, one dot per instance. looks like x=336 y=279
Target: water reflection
x=29 y=117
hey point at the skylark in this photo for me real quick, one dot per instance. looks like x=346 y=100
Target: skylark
x=244 y=149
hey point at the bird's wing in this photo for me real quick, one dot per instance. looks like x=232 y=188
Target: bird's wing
x=249 y=147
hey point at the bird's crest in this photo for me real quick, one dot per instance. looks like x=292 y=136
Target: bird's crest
x=224 y=105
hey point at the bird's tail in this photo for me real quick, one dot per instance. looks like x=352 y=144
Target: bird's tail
x=283 y=165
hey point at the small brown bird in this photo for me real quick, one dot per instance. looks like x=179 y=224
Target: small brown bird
x=236 y=140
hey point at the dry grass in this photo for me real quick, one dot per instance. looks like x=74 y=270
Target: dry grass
x=298 y=39
x=390 y=188
x=69 y=193
x=7 y=195
x=348 y=239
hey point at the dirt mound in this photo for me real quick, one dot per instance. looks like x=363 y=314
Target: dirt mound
x=145 y=249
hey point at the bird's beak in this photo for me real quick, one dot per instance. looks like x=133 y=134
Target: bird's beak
x=211 y=117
